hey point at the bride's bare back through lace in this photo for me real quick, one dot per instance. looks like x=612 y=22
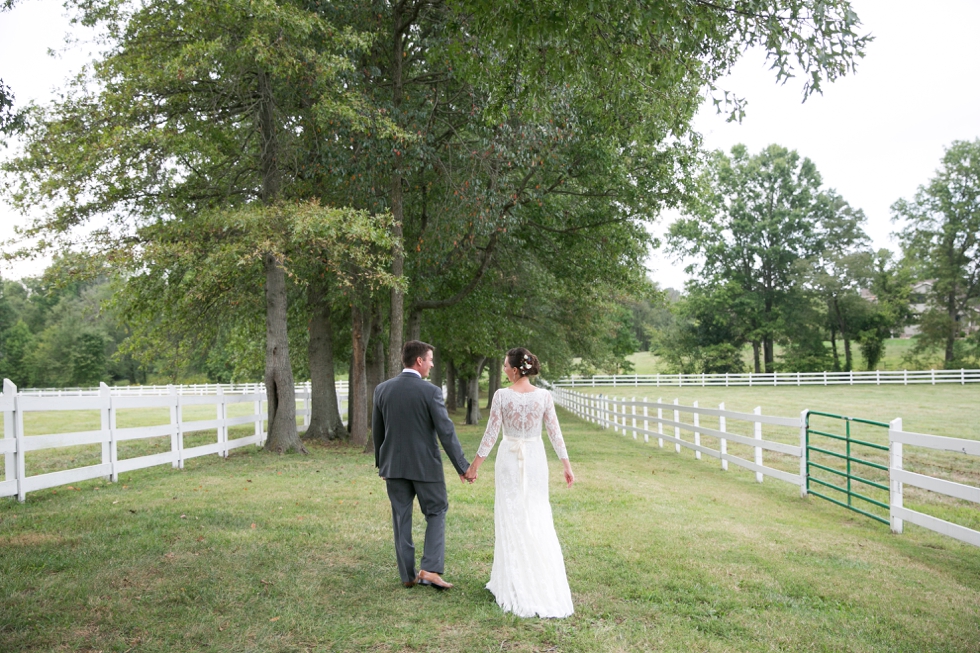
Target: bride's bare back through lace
x=521 y=414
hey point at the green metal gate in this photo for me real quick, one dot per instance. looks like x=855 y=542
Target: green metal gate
x=846 y=492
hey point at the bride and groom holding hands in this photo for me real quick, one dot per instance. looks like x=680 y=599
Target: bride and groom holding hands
x=410 y=420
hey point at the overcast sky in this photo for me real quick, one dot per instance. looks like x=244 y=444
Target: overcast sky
x=875 y=136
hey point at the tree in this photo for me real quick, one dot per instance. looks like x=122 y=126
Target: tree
x=941 y=239
x=761 y=214
x=197 y=107
x=16 y=344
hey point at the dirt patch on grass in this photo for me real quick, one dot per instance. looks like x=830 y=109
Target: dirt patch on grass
x=32 y=539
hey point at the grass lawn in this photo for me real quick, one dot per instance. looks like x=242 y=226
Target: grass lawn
x=293 y=553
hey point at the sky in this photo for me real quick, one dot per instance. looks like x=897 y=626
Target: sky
x=875 y=135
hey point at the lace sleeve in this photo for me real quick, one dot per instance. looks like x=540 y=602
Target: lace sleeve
x=554 y=430
x=493 y=427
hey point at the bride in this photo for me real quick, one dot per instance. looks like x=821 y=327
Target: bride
x=528 y=574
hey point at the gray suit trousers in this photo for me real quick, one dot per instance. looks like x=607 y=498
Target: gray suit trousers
x=434 y=503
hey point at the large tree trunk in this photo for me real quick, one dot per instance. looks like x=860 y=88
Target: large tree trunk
x=494 y=381
x=951 y=334
x=279 y=387
x=437 y=368
x=450 y=386
x=845 y=336
x=473 y=394
x=396 y=322
x=755 y=356
x=375 y=364
x=357 y=419
x=415 y=324
x=768 y=351
x=833 y=348
x=325 y=422
x=461 y=391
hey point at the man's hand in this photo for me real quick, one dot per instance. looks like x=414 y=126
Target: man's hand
x=471 y=474
x=463 y=479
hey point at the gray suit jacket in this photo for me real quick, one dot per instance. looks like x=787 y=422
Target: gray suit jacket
x=409 y=416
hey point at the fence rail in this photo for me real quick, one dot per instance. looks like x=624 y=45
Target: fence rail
x=16 y=444
x=649 y=419
x=200 y=389
x=903 y=377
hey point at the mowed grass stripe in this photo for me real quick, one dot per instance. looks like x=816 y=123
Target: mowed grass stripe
x=663 y=553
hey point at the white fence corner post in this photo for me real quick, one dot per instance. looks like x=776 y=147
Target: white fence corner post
x=108 y=443
x=13 y=427
x=894 y=463
x=803 y=453
x=9 y=428
x=677 y=429
x=759 y=476
x=723 y=448
x=660 y=421
x=697 y=433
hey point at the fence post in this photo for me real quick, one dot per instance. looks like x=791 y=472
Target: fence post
x=222 y=410
x=306 y=407
x=174 y=426
x=697 y=434
x=634 y=416
x=803 y=469
x=13 y=427
x=895 y=463
x=646 y=423
x=660 y=421
x=962 y=376
x=758 y=450
x=258 y=423
x=905 y=377
x=677 y=429
x=9 y=429
x=722 y=424
x=104 y=426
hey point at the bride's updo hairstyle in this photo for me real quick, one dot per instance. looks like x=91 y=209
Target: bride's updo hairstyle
x=523 y=361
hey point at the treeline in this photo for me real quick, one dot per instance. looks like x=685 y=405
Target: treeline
x=783 y=261
x=283 y=180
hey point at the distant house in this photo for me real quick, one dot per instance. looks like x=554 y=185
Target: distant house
x=919 y=303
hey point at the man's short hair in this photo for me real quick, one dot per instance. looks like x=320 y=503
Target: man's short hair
x=413 y=350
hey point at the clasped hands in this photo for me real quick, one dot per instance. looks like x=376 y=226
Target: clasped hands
x=470 y=474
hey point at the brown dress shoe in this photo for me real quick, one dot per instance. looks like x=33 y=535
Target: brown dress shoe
x=433 y=579
x=409 y=583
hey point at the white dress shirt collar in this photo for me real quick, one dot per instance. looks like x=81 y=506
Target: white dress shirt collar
x=415 y=372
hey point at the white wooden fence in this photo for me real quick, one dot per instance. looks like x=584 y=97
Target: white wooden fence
x=201 y=389
x=647 y=419
x=904 y=377
x=15 y=444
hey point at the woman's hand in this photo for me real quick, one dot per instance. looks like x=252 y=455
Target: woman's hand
x=471 y=473
x=569 y=476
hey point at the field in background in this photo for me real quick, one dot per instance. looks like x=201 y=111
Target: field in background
x=645 y=362
x=260 y=552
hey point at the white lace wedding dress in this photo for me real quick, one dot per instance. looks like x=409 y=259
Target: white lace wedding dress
x=528 y=574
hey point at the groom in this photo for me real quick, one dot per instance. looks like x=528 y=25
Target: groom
x=409 y=414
